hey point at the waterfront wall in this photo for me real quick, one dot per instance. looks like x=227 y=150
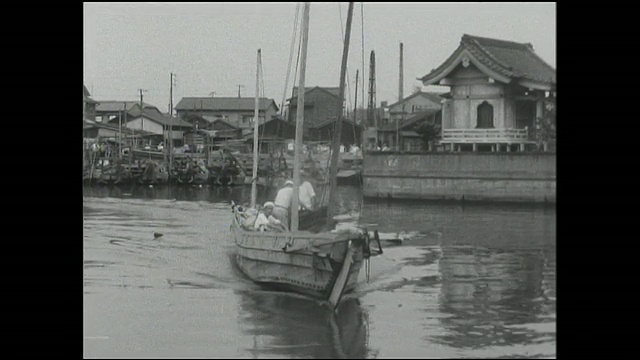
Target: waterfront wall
x=513 y=177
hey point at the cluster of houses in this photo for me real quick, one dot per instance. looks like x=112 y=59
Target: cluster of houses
x=497 y=96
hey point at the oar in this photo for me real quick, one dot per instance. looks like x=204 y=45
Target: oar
x=341 y=281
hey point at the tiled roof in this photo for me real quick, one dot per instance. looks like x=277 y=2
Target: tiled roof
x=435 y=97
x=112 y=127
x=419 y=116
x=331 y=121
x=335 y=91
x=507 y=58
x=113 y=106
x=157 y=116
x=223 y=103
x=87 y=95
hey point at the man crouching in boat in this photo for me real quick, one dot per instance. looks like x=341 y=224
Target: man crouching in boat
x=266 y=220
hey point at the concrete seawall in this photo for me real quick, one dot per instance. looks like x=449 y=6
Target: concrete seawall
x=512 y=177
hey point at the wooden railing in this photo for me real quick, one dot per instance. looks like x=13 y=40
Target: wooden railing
x=484 y=136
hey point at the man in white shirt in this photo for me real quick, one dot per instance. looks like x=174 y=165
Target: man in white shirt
x=283 y=203
x=306 y=194
x=266 y=220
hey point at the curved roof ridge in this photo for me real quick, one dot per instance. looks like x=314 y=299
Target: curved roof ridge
x=489 y=54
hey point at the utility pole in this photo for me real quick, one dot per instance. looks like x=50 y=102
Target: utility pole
x=84 y=102
x=124 y=110
x=239 y=86
x=371 y=116
x=134 y=142
x=401 y=81
x=170 y=142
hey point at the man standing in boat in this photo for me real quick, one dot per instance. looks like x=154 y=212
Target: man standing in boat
x=307 y=195
x=283 y=203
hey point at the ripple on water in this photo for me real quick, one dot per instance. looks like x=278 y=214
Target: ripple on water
x=467 y=281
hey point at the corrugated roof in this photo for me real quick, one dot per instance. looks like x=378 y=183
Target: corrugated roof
x=511 y=59
x=224 y=103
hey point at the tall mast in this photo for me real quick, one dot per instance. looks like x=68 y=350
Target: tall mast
x=355 y=101
x=300 y=119
x=335 y=148
x=254 y=178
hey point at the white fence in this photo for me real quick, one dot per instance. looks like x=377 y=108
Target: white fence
x=475 y=136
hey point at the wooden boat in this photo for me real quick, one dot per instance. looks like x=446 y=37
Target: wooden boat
x=224 y=169
x=324 y=265
x=299 y=261
x=117 y=174
x=155 y=173
x=190 y=174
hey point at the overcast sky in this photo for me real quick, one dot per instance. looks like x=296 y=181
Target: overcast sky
x=212 y=46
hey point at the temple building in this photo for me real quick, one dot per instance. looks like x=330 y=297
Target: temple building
x=498 y=90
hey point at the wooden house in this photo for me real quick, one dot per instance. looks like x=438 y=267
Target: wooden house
x=413 y=104
x=401 y=135
x=236 y=111
x=320 y=107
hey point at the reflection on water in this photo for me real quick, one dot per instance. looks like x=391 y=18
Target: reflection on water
x=291 y=326
x=476 y=281
x=494 y=297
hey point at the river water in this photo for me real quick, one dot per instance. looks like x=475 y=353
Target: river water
x=467 y=281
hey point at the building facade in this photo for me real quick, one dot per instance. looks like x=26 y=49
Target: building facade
x=320 y=107
x=495 y=85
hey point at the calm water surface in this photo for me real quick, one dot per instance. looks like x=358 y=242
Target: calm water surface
x=470 y=281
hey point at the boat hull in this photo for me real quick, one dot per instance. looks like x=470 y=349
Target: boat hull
x=312 y=271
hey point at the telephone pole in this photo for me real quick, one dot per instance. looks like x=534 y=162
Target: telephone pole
x=239 y=86
x=170 y=142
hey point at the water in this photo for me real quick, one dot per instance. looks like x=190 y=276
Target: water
x=472 y=281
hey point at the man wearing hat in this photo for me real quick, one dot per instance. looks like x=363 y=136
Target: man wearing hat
x=282 y=204
x=266 y=220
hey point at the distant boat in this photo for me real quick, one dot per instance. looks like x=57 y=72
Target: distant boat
x=155 y=173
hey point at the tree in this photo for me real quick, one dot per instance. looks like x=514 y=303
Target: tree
x=545 y=131
x=429 y=132
x=417 y=89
